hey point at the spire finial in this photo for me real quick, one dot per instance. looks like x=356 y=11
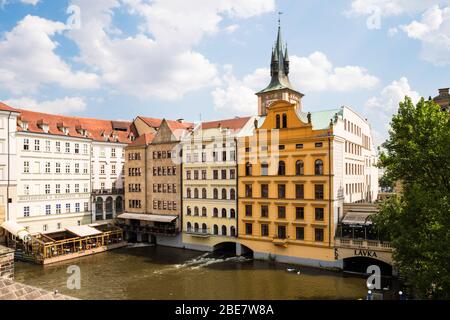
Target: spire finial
x=279 y=18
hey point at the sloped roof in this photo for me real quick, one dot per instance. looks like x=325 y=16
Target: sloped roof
x=4 y=107
x=143 y=140
x=98 y=130
x=320 y=119
x=233 y=124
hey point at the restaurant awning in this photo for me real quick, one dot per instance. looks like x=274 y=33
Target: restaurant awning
x=83 y=231
x=148 y=217
x=16 y=230
x=358 y=218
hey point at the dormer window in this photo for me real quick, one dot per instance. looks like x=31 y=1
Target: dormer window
x=43 y=125
x=64 y=129
x=24 y=125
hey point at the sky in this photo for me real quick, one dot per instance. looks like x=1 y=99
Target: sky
x=205 y=59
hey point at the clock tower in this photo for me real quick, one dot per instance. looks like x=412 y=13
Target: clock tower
x=280 y=87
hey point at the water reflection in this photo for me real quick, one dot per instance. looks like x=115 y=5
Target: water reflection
x=168 y=273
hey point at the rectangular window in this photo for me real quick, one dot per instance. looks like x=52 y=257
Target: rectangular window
x=26 y=211
x=77 y=207
x=318 y=234
x=48 y=210
x=47 y=146
x=318 y=191
x=58 y=167
x=26 y=144
x=299 y=191
x=281 y=191
x=67 y=147
x=67 y=188
x=85 y=148
x=319 y=214
x=224 y=174
x=281 y=212
x=203 y=174
x=319 y=144
x=264 y=230
x=47 y=189
x=232 y=174
x=248 y=210
x=300 y=213
x=113 y=153
x=77 y=168
x=58 y=146
x=26 y=167
x=113 y=169
x=77 y=188
x=58 y=189
x=264 y=191
x=281 y=232
x=67 y=207
x=300 y=233
x=264 y=211
x=86 y=206
x=37 y=145
x=77 y=148
x=216 y=174
x=299 y=146
x=248 y=191
x=248 y=229
x=58 y=209
x=68 y=168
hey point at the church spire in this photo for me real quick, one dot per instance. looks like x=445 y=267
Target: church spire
x=280 y=87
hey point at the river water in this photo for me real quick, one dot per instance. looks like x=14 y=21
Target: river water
x=155 y=272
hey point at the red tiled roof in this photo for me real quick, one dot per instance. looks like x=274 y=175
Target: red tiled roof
x=4 y=107
x=234 y=124
x=142 y=140
x=98 y=130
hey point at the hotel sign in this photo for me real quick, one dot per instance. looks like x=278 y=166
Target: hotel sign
x=366 y=253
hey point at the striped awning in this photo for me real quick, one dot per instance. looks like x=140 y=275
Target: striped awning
x=358 y=218
x=148 y=217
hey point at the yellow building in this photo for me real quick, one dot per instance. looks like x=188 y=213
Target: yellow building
x=287 y=208
x=210 y=183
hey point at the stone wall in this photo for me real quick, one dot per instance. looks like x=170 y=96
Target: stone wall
x=6 y=263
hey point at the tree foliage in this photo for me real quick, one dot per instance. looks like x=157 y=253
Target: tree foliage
x=417 y=153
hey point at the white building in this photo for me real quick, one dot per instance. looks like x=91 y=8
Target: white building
x=63 y=167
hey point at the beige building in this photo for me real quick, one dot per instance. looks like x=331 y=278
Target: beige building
x=210 y=182
x=153 y=182
x=443 y=99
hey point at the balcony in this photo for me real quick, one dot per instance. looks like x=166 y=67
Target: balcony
x=200 y=233
x=97 y=192
x=280 y=241
x=363 y=244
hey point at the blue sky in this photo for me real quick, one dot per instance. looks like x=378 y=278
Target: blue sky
x=203 y=58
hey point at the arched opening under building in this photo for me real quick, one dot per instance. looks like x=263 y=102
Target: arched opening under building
x=360 y=265
x=225 y=248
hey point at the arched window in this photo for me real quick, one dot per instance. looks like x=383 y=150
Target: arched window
x=196 y=193
x=216 y=194
x=204 y=228
x=233 y=194
x=189 y=226
x=196 y=211
x=232 y=231
x=188 y=192
x=99 y=207
x=188 y=211
x=277 y=120
x=216 y=229
x=196 y=227
x=224 y=213
x=215 y=212
x=204 y=193
x=318 y=167
x=224 y=193
x=109 y=207
x=224 y=230
x=204 y=213
x=299 y=168
x=281 y=168
x=248 y=169
x=119 y=205
x=264 y=169
x=284 y=120
x=232 y=213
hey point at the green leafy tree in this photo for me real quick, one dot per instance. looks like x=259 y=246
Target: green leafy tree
x=417 y=222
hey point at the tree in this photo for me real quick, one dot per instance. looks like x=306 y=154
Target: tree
x=417 y=222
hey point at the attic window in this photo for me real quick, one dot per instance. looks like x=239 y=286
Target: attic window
x=65 y=130
x=24 y=125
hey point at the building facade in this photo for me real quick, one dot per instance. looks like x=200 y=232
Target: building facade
x=297 y=170
x=443 y=99
x=210 y=182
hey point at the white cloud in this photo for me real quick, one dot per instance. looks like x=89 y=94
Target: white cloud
x=160 y=61
x=28 y=59
x=67 y=105
x=382 y=107
x=387 y=8
x=308 y=74
x=434 y=32
x=32 y=2
x=231 y=28
x=390 y=96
